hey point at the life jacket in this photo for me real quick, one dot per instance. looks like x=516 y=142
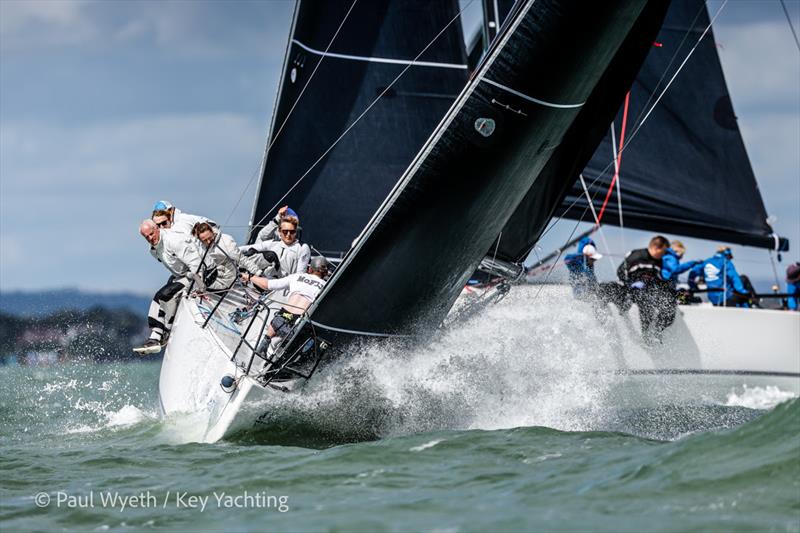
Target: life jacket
x=639 y=265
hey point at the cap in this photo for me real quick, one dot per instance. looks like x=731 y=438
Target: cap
x=726 y=251
x=291 y=213
x=793 y=273
x=162 y=205
x=591 y=251
x=319 y=264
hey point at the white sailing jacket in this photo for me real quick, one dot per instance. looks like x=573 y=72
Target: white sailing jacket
x=184 y=222
x=177 y=252
x=294 y=258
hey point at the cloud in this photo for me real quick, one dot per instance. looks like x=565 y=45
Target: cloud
x=44 y=23
x=71 y=198
x=761 y=64
x=194 y=28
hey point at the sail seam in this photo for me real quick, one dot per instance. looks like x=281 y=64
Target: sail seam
x=531 y=98
x=379 y=59
x=354 y=332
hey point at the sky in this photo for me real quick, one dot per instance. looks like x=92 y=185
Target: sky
x=106 y=107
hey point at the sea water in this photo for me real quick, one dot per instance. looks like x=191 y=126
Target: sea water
x=462 y=434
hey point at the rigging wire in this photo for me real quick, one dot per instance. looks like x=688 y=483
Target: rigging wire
x=291 y=110
x=596 y=219
x=619 y=189
x=791 y=26
x=358 y=119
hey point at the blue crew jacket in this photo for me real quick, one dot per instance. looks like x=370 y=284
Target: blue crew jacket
x=794 y=290
x=716 y=270
x=581 y=270
x=671 y=266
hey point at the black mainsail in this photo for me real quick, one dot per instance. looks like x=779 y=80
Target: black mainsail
x=686 y=171
x=492 y=146
x=377 y=40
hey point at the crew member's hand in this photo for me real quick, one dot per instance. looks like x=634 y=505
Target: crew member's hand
x=245 y=277
x=282 y=211
x=249 y=252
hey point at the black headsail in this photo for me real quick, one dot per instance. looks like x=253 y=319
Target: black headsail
x=378 y=39
x=686 y=171
x=422 y=245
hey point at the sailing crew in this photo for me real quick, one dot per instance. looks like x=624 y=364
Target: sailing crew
x=303 y=289
x=641 y=275
x=178 y=253
x=167 y=216
x=793 y=286
x=726 y=287
x=671 y=266
x=292 y=254
x=270 y=231
x=220 y=252
x=580 y=266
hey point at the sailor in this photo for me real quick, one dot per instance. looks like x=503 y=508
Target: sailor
x=721 y=277
x=220 y=252
x=292 y=254
x=793 y=286
x=270 y=231
x=580 y=266
x=178 y=253
x=640 y=273
x=671 y=266
x=167 y=216
x=303 y=289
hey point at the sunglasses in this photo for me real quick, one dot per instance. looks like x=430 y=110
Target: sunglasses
x=288 y=231
x=163 y=223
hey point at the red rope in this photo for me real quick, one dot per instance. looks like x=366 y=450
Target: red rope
x=619 y=158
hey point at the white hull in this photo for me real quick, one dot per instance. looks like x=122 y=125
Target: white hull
x=195 y=360
x=708 y=354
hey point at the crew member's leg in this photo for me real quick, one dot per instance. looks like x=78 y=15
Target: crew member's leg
x=161 y=314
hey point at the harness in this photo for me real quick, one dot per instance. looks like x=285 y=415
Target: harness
x=283 y=322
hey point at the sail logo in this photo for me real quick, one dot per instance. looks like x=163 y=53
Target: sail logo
x=711 y=272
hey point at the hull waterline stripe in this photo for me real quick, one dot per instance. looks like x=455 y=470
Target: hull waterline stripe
x=531 y=98
x=698 y=371
x=353 y=332
x=379 y=59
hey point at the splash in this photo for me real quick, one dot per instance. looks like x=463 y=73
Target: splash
x=758 y=397
x=519 y=363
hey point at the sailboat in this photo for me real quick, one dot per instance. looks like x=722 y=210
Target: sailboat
x=684 y=148
x=410 y=216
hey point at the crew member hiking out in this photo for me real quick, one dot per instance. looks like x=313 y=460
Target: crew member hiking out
x=641 y=283
x=167 y=216
x=220 y=253
x=292 y=255
x=580 y=266
x=178 y=253
x=270 y=231
x=303 y=290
